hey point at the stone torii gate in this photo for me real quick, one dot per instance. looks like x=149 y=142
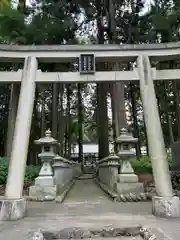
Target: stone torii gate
x=88 y=55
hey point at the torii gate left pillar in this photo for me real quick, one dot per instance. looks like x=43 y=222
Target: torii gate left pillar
x=13 y=206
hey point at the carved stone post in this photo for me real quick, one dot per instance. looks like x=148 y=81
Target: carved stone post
x=108 y=171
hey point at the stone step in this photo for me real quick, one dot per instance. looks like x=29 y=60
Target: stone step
x=86 y=176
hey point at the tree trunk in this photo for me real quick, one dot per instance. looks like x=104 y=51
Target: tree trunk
x=120 y=105
x=146 y=139
x=117 y=88
x=54 y=110
x=22 y=6
x=13 y=105
x=61 y=120
x=68 y=119
x=168 y=117
x=135 y=121
x=43 y=116
x=102 y=118
x=32 y=158
x=114 y=119
x=80 y=124
x=177 y=106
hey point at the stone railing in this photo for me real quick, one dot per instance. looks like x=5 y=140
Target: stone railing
x=65 y=172
x=108 y=171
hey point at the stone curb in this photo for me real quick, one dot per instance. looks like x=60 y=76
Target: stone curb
x=60 y=199
x=112 y=194
x=129 y=197
x=39 y=199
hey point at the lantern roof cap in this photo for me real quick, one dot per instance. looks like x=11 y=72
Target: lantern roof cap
x=48 y=139
x=126 y=137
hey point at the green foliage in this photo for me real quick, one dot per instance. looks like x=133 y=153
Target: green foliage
x=175 y=178
x=74 y=131
x=5 y=4
x=31 y=172
x=30 y=175
x=144 y=165
x=49 y=22
x=3 y=170
x=141 y=166
x=11 y=26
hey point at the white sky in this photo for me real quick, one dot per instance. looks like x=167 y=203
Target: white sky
x=147 y=7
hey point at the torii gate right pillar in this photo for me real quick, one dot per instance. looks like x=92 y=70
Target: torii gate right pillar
x=164 y=204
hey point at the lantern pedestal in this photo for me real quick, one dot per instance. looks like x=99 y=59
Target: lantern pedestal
x=46 y=173
x=127 y=173
x=128 y=180
x=44 y=181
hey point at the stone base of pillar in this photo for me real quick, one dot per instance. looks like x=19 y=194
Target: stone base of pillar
x=42 y=193
x=12 y=209
x=166 y=206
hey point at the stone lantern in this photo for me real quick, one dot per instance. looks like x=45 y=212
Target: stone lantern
x=125 y=142
x=44 y=187
x=47 y=154
x=127 y=177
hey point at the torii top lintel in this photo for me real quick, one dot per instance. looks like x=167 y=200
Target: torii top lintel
x=66 y=53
